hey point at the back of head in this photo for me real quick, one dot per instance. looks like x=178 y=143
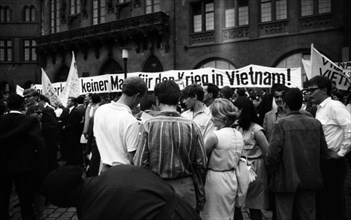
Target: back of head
x=224 y=110
x=147 y=101
x=293 y=98
x=227 y=92
x=62 y=186
x=248 y=112
x=322 y=82
x=192 y=91
x=168 y=92
x=30 y=92
x=241 y=92
x=134 y=85
x=15 y=102
x=80 y=99
x=95 y=98
x=212 y=88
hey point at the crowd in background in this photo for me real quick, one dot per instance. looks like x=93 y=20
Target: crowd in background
x=193 y=139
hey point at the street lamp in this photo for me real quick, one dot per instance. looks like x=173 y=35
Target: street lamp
x=125 y=58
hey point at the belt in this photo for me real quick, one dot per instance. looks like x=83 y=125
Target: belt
x=168 y=209
x=209 y=168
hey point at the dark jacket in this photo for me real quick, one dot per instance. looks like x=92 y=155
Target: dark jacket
x=295 y=153
x=21 y=143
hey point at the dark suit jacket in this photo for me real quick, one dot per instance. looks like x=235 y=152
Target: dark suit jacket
x=21 y=143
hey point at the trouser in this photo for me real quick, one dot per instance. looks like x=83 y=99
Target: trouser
x=24 y=187
x=296 y=206
x=184 y=187
x=331 y=199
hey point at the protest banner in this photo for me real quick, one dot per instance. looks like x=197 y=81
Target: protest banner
x=346 y=68
x=48 y=90
x=71 y=88
x=321 y=65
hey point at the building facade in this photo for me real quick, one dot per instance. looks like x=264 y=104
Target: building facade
x=19 y=27
x=187 y=34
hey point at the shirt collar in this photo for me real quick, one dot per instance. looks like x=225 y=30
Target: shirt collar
x=16 y=112
x=173 y=114
x=325 y=101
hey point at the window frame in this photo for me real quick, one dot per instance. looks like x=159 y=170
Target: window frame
x=152 y=6
x=31 y=50
x=203 y=11
x=5 y=13
x=54 y=16
x=316 y=6
x=74 y=7
x=31 y=12
x=101 y=17
x=7 y=50
x=273 y=10
x=236 y=14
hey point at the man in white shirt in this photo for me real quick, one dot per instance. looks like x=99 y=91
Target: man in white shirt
x=336 y=121
x=192 y=97
x=115 y=128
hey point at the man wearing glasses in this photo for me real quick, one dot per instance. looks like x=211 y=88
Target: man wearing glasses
x=336 y=121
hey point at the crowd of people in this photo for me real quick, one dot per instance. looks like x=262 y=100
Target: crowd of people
x=175 y=154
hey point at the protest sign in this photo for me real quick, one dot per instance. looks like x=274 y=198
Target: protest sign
x=321 y=65
x=48 y=90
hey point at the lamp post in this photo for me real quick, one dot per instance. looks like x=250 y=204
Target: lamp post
x=125 y=58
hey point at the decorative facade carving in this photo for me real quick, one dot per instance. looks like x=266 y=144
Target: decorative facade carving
x=273 y=28
x=235 y=33
x=203 y=37
x=314 y=23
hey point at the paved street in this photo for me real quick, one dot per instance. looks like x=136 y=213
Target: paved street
x=52 y=212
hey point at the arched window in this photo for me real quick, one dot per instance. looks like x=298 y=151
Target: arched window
x=61 y=74
x=5 y=14
x=295 y=60
x=216 y=63
x=110 y=67
x=152 y=64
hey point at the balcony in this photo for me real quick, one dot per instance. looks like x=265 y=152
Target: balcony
x=116 y=31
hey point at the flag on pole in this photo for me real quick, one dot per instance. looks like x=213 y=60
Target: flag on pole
x=48 y=89
x=322 y=66
x=307 y=65
x=71 y=88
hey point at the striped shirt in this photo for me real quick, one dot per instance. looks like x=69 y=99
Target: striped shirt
x=172 y=147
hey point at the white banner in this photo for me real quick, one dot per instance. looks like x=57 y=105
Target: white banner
x=321 y=65
x=19 y=90
x=249 y=76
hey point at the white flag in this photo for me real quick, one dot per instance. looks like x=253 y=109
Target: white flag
x=71 y=88
x=48 y=89
x=19 y=90
x=321 y=65
x=307 y=65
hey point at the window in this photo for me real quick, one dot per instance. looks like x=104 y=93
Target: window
x=55 y=16
x=203 y=16
x=99 y=11
x=5 y=50
x=75 y=7
x=272 y=10
x=152 y=6
x=29 y=13
x=123 y=1
x=5 y=14
x=314 y=7
x=236 y=13
x=29 y=50
x=216 y=63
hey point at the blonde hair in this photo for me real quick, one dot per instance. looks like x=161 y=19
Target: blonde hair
x=224 y=110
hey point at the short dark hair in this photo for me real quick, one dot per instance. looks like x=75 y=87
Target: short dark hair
x=279 y=87
x=293 y=98
x=212 y=88
x=147 y=101
x=134 y=85
x=227 y=92
x=168 y=92
x=192 y=90
x=15 y=102
x=80 y=99
x=44 y=98
x=322 y=82
x=248 y=112
x=95 y=98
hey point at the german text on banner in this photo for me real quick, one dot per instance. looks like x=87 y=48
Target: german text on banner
x=321 y=65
